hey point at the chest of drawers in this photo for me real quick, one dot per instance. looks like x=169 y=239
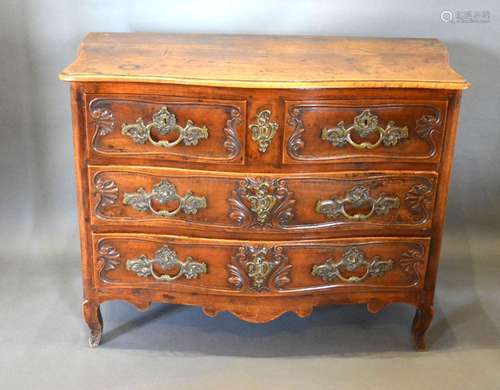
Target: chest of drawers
x=261 y=175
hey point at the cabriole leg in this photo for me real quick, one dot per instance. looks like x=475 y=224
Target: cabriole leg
x=93 y=318
x=421 y=322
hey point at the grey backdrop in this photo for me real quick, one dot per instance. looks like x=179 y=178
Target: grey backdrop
x=39 y=279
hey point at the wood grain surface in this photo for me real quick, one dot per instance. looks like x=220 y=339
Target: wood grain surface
x=264 y=61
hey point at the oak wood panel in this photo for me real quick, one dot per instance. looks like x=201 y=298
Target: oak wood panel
x=294 y=200
x=406 y=259
x=224 y=121
x=264 y=61
x=409 y=131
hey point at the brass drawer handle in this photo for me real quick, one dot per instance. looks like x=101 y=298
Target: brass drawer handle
x=264 y=130
x=352 y=259
x=166 y=123
x=358 y=197
x=166 y=259
x=364 y=124
x=162 y=193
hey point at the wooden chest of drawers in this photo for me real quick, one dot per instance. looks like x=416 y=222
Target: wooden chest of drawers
x=262 y=175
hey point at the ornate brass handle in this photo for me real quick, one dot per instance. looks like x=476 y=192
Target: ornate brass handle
x=166 y=123
x=364 y=124
x=162 y=193
x=264 y=130
x=166 y=259
x=352 y=259
x=358 y=197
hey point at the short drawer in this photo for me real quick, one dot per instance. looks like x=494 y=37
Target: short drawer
x=166 y=128
x=380 y=130
x=258 y=267
x=230 y=202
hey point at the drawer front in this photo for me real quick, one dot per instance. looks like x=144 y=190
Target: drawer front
x=228 y=202
x=369 y=130
x=168 y=128
x=258 y=267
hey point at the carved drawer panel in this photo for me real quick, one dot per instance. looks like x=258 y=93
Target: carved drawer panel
x=258 y=267
x=332 y=131
x=167 y=128
x=127 y=196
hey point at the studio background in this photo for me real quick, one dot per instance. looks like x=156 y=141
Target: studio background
x=42 y=333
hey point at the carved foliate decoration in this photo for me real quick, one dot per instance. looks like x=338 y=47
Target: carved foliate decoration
x=411 y=260
x=231 y=142
x=102 y=116
x=166 y=259
x=419 y=199
x=352 y=260
x=106 y=192
x=165 y=122
x=426 y=126
x=358 y=197
x=162 y=193
x=262 y=203
x=364 y=125
x=296 y=140
x=259 y=268
x=108 y=259
x=264 y=130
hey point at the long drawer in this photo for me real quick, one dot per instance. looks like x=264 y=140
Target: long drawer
x=230 y=202
x=257 y=267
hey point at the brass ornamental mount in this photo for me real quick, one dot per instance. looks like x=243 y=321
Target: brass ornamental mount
x=162 y=193
x=264 y=130
x=165 y=122
x=352 y=260
x=260 y=202
x=358 y=197
x=166 y=259
x=259 y=268
x=363 y=125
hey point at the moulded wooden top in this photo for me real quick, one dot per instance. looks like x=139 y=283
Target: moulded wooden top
x=257 y=61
